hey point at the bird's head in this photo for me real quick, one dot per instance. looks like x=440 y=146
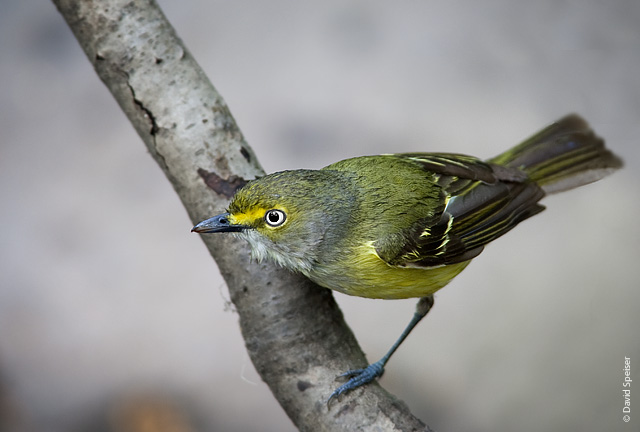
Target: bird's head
x=285 y=216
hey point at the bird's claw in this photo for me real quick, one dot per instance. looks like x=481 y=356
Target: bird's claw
x=358 y=377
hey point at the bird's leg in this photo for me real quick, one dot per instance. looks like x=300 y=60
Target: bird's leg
x=358 y=377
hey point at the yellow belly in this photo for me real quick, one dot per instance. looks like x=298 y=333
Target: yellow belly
x=366 y=275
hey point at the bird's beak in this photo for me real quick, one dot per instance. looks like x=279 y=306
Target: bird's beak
x=220 y=223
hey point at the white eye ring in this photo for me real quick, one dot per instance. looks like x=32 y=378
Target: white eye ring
x=275 y=218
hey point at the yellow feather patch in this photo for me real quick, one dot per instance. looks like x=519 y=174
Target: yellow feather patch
x=249 y=217
x=367 y=275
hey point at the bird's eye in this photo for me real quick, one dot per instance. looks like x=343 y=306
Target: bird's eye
x=275 y=218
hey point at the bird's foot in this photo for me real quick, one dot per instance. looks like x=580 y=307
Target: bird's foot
x=358 y=377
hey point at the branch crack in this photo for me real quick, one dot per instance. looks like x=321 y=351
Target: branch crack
x=147 y=111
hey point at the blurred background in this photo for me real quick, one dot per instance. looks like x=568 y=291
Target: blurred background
x=114 y=317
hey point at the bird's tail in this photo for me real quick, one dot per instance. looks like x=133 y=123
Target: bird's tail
x=562 y=156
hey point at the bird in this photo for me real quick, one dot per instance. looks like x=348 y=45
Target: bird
x=403 y=225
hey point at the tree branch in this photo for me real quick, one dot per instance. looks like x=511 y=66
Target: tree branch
x=293 y=330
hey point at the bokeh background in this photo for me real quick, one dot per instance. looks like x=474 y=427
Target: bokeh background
x=113 y=316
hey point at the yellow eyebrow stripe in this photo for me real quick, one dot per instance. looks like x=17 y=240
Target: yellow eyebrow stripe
x=248 y=217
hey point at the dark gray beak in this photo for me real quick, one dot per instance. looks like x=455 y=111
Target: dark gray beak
x=218 y=223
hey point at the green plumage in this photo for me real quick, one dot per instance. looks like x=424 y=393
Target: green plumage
x=443 y=208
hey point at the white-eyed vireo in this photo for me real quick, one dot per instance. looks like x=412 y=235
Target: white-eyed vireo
x=403 y=225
